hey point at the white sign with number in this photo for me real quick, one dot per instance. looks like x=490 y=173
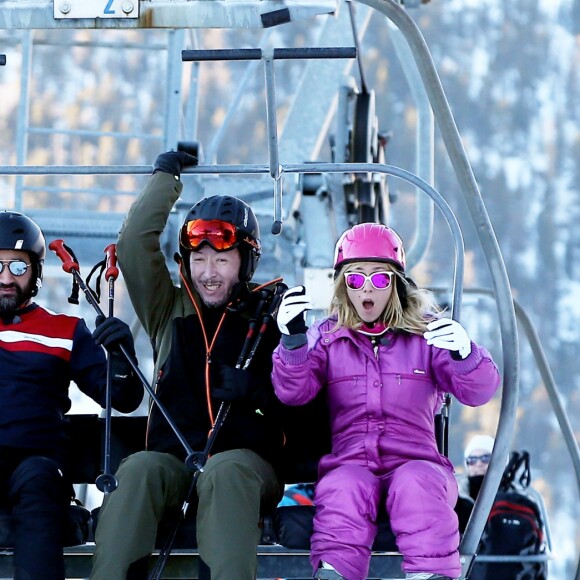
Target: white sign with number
x=96 y=8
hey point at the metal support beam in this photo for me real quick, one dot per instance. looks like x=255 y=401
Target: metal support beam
x=173 y=90
x=482 y=224
x=23 y=114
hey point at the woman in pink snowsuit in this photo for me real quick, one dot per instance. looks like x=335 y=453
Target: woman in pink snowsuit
x=386 y=358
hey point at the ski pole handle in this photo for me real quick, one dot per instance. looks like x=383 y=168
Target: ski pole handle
x=272 y=310
x=264 y=297
x=266 y=318
x=111 y=262
x=277 y=299
x=111 y=273
x=70 y=266
x=68 y=263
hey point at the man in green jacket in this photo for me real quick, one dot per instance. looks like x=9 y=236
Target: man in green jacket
x=197 y=331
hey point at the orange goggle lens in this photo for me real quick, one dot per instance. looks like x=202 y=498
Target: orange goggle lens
x=218 y=234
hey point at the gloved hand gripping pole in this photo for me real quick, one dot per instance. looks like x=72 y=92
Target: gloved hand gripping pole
x=268 y=299
x=265 y=312
x=202 y=456
x=70 y=266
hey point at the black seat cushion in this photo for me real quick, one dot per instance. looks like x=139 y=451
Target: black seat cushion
x=293 y=526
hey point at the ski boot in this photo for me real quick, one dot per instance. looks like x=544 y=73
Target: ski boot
x=326 y=572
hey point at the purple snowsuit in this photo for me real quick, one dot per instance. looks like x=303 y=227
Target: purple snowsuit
x=382 y=402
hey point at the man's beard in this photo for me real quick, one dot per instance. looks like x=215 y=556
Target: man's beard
x=11 y=303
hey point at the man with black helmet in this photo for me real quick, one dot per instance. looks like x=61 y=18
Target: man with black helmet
x=41 y=352
x=197 y=331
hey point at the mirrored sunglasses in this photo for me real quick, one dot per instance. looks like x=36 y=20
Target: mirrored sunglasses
x=218 y=234
x=16 y=267
x=379 y=280
x=473 y=459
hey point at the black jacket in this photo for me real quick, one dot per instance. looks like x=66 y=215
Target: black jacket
x=184 y=369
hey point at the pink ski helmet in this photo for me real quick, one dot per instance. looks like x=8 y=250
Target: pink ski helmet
x=369 y=242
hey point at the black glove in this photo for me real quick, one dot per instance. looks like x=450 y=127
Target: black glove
x=174 y=162
x=113 y=333
x=234 y=384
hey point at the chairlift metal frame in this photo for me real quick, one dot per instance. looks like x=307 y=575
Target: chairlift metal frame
x=432 y=105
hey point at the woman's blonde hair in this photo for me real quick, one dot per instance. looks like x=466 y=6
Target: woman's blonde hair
x=409 y=308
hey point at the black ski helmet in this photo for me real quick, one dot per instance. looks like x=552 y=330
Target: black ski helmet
x=234 y=211
x=19 y=232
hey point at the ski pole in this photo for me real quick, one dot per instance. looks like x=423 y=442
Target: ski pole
x=201 y=457
x=266 y=318
x=107 y=482
x=199 y=460
x=70 y=266
x=267 y=298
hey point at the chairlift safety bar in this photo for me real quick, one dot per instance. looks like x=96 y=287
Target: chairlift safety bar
x=268 y=57
x=304 y=168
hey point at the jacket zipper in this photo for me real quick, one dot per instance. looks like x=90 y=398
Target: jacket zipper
x=375 y=345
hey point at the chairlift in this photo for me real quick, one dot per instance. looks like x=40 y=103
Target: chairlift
x=361 y=157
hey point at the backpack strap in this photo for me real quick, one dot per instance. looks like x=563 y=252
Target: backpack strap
x=518 y=461
x=526 y=476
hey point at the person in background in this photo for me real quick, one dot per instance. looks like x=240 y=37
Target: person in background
x=197 y=330
x=385 y=357
x=41 y=352
x=515 y=525
x=477 y=456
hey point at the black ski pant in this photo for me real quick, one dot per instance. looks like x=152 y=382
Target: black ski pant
x=35 y=492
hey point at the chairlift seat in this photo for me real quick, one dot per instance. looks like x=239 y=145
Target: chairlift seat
x=285 y=533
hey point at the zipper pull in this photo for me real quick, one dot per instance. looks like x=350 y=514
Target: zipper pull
x=375 y=345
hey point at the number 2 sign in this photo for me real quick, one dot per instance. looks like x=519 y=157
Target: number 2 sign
x=96 y=8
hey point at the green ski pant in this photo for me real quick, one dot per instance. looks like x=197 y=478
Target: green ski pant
x=235 y=488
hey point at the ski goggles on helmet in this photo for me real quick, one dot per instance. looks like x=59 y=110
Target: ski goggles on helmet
x=16 y=267
x=218 y=234
x=473 y=459
x=379 y=280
